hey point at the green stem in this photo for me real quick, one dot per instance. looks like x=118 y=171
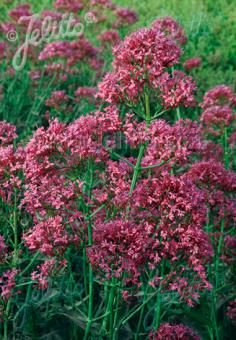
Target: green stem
x=147 y=109
x=137 y=167
x=91 y=280
x=15 y=253
x=90 y=307
x=226 y=151
x=157 y=318
x=178 y=115
x=85 y=271
x=109 y=309
x=116 y=328
x=30 y=264
x=5 y=326
x=141 y=316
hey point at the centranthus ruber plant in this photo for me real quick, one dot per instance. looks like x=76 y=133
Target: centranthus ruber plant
x=121 y=223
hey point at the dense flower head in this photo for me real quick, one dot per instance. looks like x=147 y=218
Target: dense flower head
x=139 y=62
x=57 y=99
x=173 y=144
x=125 y=16
x=85 y=92
x=110 y=37
x=212 y=175
x=7 y=284
x=50 y=237
x=219 y=185
x=147 y=50
x=121 y=247
x=171 y=28
x=220 y=95
x=46 y=270
x=177 y=90
x=217 y=117
x=6 y=27
x=189 y=64
x=69 y=5
x=103 y=3
x=54 y=153
x=168 y=331
x=52 y=14
x=231 y=311
x=72 y=51
x=20 y=11
x=3 y=249
x=10 y=161
x=7 y=133
x=177 y=206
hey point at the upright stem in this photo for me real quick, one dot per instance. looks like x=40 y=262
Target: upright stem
x=15 y=236
x=219 y=247
x=90 y=307
x=141 y=315
x=226 y=151
x=109 y=309
x=14 y=261
x=142 y=147
x=147 y=109
x=178 y=115
x=157 y=318
x=91 y=283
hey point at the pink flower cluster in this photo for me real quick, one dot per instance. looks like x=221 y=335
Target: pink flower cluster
x=10 y=161
x=73 y=52
x=3 y=248
x=57 y=99
x=125 y=16
x=231 y=311
x=86 y=93
x=174 y=332
x=177 y=90
x=20 y=11
x=69 y=5
x=189 y=64
x=110 y=38
x=171 y=28
x=141 y=63
x=46 y=270
x=217 y=105
x=7 y=284
x=50 y=237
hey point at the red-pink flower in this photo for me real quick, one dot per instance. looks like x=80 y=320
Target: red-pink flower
x=57 y=99
x=171 y=28
x=173 y=332
x=125 y=16
x=139 y=62
x=69 y=5
x=86 y=93
x=217 y=117
x=231 y=311
x=177 y=90
x=110 y=38
x=49 y=268
x=50 y=237
x=189 y=64
x=7 y=284
x=20 y=11
x=220 y=95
